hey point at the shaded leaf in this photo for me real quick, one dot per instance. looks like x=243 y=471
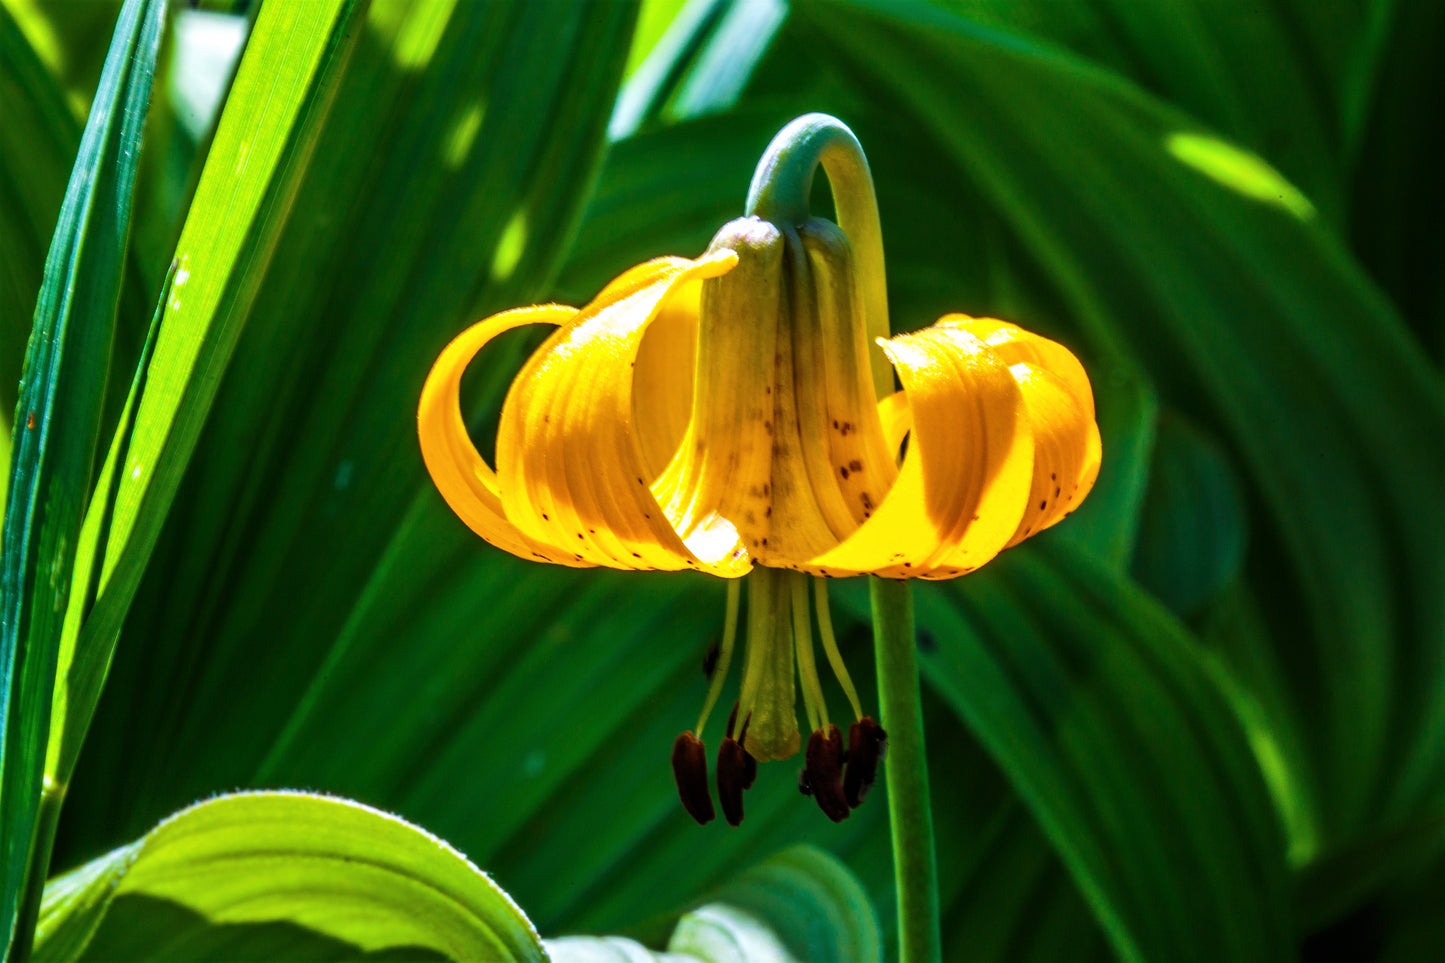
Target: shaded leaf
x=1113 y=734
x=1193 y=531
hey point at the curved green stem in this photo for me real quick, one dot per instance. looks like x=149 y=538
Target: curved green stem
x=910 y=813
x=779 y=193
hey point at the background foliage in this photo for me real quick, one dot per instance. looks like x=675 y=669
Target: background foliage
x=1202 y=720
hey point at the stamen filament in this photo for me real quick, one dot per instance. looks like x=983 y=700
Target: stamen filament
x=830 y=646
x=725 y=652
x=813 y=701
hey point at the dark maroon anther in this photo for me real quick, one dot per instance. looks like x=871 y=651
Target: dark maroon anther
x=867 y=744
x=750 y=765
x=824 y=772
x=689 y=768
x=736 y=770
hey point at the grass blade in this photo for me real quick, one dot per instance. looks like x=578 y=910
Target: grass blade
x=61 y=398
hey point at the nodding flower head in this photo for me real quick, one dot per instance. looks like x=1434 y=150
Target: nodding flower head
x=733 y=414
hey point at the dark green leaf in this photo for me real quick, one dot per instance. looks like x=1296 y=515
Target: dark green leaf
x=1102 y=716
x=56 y=436
x=1193 y=531
x=37 y=147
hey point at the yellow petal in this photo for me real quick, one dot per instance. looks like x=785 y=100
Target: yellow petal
x=662 y=380
x=1060 y=406
x=961 y=489
x=570 y=460
x=462 y=476
x=785 y=445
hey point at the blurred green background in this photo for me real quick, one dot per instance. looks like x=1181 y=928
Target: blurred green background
x=1202 y=720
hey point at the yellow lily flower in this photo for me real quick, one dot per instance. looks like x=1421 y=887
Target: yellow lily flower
x=720 y=413
x=606 y=455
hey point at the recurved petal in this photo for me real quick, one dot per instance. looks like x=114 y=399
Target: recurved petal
x=663 y=379
x=960 y=491
x=1060 y=405
x=570 y=462
x=461 y=474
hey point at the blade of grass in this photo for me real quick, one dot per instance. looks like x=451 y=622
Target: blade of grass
x=62 y=399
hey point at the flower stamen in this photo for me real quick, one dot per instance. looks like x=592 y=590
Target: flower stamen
x=830 y=646
x=725 y=653
x=813 y=701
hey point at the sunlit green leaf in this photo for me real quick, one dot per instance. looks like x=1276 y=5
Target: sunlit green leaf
x=283 y=876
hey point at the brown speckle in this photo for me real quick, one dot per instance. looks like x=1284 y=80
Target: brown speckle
x=843 y=470
x=856 y=465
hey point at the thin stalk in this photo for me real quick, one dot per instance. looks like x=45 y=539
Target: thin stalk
x=779 y=193
x=47 y=820
x=910 y=814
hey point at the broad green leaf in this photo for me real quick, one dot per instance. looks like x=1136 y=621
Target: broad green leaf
x=1193 y=531
x=1098 y=710
x=1247 y=319
x=1398 y=198
x=1107 y=524
x=813 y=907
x=444 y=185
x=53 y=459
x=283 y=876
x=1240 y=68
x=800 y=905
x=1341 y=881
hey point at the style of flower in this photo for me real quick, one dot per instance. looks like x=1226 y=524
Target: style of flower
x=721 y=415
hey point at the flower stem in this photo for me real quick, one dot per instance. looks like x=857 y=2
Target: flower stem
x=910 y=814
x=780 y=190
x=52 y=797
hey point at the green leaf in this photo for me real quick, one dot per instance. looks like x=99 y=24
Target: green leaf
x=809 y=902
x=1252 y=322
x=800 y=905
x=1398 y=199
x=37 y=148
x=444 y=184
x=1242 y=69
x=1102 y=716
x=1341 y=881
x=249 y=180
x=60 y=405
x=1193 y=530
x=283 y=875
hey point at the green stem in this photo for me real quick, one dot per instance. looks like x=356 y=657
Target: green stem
x=47 y=820
x=779 y=193
x=910 y=814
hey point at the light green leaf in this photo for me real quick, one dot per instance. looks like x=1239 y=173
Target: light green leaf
x=61 y=402
x=800 y=905
x=284 y=876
